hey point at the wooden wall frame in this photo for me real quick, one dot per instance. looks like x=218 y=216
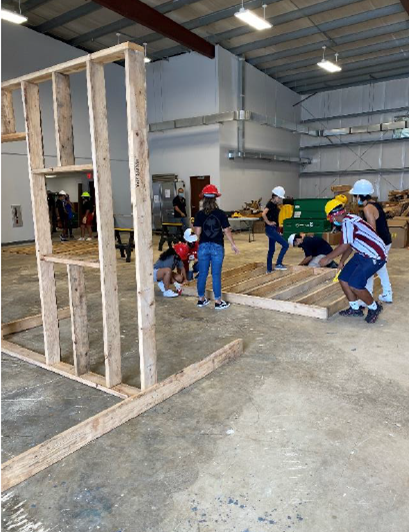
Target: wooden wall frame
x=152 y=393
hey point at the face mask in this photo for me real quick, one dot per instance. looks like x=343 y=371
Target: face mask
x=360 y=202
x=338 y=224
x=181 y=195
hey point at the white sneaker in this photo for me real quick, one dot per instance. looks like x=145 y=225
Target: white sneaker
x=89 y=239
x=161 y=286
x=170 y=293
x=386 y=298
x=81 y=238
x=178 y=286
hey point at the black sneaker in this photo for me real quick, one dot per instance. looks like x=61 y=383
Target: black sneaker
x=222 y=305
x=203 y=303
x=373 y=315
x=351 y=312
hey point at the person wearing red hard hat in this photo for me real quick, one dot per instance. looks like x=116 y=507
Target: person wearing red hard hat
x=210 y=225
x=270 y=217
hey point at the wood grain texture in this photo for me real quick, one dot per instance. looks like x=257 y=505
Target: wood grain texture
x=105 y=220
x=141 y=207
x=320 y=293
x=107 y=55
x=13 y=137
x=52 y=451
x=64 y=136
x=84 y=263
x=30 y=322
x=8 y=121
x=79 y=318
x=303 y=286
x=70 y=169
x=67 y=370
x=269 y=287
x=42 y=233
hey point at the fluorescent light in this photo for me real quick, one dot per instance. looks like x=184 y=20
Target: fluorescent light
x=329 y=66
x=252 y=19
x=50 y=176
x=11 y=16
x=147 y=60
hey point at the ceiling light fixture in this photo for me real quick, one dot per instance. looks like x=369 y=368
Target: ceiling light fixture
x=252 y=19
x=145 y=45
x=12 y=16
x=329 y=66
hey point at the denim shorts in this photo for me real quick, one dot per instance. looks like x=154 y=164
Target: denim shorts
x=155 y=276
x=358 y=270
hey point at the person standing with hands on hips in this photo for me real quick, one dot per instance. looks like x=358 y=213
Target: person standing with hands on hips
x=270 y=217
x=180 y=210
x=211 y=224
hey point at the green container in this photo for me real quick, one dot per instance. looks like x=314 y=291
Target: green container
x=294 y=225
x=311 y=209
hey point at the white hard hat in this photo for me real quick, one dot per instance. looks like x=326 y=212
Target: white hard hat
x=363 y=187
x=189 y=236
x=62 y=193
x=279 y=191
x=291 y=239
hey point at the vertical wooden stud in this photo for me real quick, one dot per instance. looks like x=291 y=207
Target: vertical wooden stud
x=8 y=122
x=63 y=119
x=32 y=116
x=142 y=218
x=105 y=220
x=79 y=319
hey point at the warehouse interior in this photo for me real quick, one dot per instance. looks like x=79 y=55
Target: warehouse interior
x=127 y=411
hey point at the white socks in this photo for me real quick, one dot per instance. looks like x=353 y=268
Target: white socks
x=374 y=306
x=354 y=305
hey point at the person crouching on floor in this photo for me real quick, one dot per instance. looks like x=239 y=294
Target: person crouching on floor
x=192 y=243
x=164 y=273
x=369 y=258
x=315 y=248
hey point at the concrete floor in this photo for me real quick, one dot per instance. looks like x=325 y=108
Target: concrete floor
x=307 y=431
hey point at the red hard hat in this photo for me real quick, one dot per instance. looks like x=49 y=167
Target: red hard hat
x=182 y=250
x=210 y=191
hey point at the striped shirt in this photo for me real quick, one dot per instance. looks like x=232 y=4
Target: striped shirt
x=362 y=238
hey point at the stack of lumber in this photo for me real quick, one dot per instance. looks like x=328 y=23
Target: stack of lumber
x=398 y=203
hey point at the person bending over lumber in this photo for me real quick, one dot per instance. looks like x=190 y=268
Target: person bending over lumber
x=164 y=274
x=369 y=257
x=315 y=248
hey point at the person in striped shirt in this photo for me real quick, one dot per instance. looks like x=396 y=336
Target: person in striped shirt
x=370 y=256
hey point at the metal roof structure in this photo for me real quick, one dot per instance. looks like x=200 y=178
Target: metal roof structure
x=370 y=36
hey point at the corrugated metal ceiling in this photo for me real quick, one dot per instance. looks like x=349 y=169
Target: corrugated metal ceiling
x=371 y=36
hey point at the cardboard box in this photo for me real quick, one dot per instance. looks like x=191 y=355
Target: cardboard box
x=399 y=228
x=334 y=239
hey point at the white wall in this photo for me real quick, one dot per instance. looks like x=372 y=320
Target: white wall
x=243 y=180
x=182 y=87
x=363 y=98
x=33 y=51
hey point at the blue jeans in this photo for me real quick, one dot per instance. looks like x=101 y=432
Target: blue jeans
x=273 y=237
x=210 y=254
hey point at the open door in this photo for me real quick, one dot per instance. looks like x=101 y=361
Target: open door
x=197 y=182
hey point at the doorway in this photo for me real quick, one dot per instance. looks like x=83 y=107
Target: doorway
x=197 y=182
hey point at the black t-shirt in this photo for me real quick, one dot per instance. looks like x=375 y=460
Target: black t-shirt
x=314 y=246
x=382 y=228
x=180 y=202
x=62 y=213
x=273 y=212
x=212 y=226
x=87 y=206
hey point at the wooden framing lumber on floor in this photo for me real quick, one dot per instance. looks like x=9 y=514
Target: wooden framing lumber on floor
x=31 y=322
x=66 y=370
x=13 y=137
x=38 y=458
